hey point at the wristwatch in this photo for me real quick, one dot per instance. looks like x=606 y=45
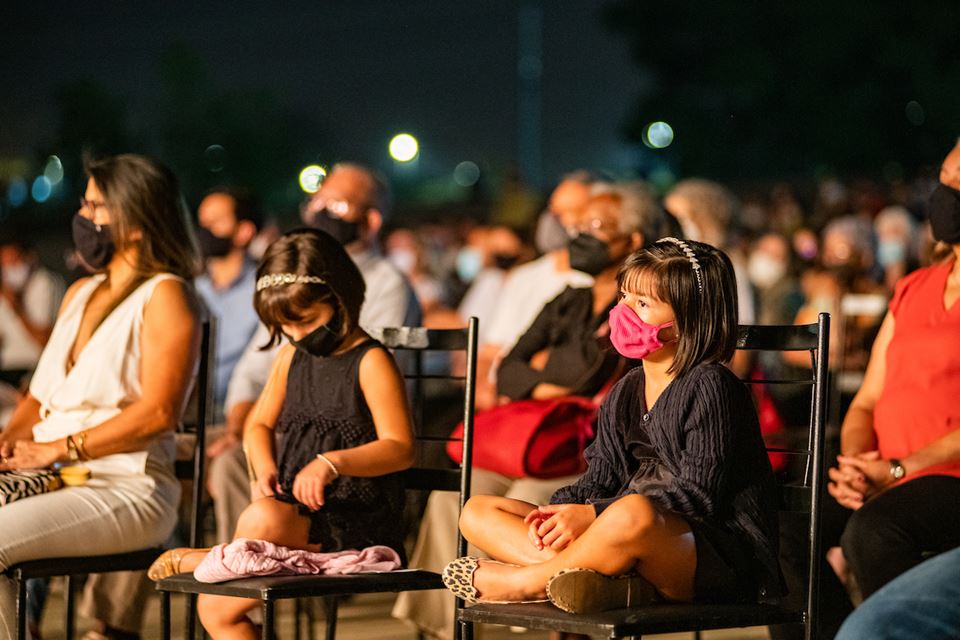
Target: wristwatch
x=896 y=469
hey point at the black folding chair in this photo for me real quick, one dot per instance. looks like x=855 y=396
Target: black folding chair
x=270 y=590
x=72 y=567
x=804 y=497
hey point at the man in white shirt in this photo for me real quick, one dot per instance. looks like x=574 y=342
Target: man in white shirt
x=29 y=300
x=531 y=286
x=351 y=205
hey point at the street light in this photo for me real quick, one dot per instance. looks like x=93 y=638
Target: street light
x=311 y=176
x=404 y=147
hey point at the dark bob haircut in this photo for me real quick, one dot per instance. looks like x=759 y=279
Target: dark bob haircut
x=706 y=321
x=308 y=252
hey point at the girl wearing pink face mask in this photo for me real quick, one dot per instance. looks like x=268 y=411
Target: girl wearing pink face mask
x=678 y=501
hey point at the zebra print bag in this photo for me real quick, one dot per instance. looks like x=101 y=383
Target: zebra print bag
x=15 y=485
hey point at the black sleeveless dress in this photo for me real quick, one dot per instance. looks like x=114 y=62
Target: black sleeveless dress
x=325 y=410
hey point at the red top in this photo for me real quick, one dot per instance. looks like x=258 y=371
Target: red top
x=920 y=402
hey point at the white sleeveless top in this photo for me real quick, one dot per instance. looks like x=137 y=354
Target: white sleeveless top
x=104 y=379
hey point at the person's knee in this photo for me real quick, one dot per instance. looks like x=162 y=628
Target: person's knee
x=867 y=538
x=474 y=513
x=259 y=520
x=632 y=517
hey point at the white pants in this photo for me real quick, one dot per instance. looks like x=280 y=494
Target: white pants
x=110 y=514
x=431 y=612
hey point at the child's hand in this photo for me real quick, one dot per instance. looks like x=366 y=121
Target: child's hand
x=265 y=486
x=564 y=523
x=533 y=520
x=309 y=483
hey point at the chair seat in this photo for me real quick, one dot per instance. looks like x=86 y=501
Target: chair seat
x=284 y=587
x=635 y=621
x=49 y=567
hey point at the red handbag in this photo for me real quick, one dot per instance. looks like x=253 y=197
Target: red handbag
x=530 y=438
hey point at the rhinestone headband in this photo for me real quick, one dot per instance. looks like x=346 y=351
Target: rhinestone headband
x=279 y=279
x=688 y=251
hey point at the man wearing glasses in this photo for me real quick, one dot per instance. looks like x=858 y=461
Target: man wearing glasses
x=351 y=205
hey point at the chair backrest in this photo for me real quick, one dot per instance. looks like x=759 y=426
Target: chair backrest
x=805 y=494
x=420 y=341
x=199 y=413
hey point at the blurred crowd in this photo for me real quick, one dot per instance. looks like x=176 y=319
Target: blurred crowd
x=838 y=248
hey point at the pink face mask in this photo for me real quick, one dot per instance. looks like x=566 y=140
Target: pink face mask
x=631 y=336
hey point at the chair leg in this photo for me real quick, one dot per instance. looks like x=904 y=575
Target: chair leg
x=165 y=615
x=463 y=630
x=297 y=618
x=21 y=608
x=190 y=623
x=268 y=632
x=70 y=617
x=333 y=607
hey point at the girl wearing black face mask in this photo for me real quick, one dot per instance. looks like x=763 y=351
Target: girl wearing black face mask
x=338 y=406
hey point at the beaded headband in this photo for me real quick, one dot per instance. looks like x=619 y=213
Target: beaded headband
x=688 y=251
x=278 y=279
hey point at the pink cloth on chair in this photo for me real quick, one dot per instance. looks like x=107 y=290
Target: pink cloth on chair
x=244 y=558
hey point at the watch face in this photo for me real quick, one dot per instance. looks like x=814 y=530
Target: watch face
x=897 y=471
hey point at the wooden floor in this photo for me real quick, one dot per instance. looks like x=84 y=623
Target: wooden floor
x=363 y=618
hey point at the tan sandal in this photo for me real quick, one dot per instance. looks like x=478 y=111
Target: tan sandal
x=588 y=591
x=458 y=577
x=168 y=563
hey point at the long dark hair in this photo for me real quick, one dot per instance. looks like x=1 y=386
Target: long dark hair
x=307 y=252
x=706 y=321
x=143 y=194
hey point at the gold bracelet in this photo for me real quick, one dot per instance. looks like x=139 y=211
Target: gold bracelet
x=81 y=449
x=333 y=467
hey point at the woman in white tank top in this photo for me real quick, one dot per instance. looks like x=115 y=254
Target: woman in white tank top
x=112 y=381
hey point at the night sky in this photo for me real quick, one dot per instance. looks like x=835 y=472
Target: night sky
x=348 y=73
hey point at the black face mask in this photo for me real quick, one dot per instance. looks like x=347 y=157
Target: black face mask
x=944 y=209
x=323 y=340
x=504 y=260
x=589 y=254
x=212 y=246
x=93 y=242
x=345 y=232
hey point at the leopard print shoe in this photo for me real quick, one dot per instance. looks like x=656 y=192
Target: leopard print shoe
x=588 y=591
x=458 y=578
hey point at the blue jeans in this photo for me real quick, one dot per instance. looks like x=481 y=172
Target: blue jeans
x=921 y=604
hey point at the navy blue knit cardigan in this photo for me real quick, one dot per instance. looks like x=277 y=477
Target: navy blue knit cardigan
x=705 y=432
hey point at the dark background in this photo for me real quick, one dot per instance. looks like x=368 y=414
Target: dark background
x=754 y=91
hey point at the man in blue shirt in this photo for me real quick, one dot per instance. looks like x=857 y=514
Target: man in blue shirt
x=228 y=220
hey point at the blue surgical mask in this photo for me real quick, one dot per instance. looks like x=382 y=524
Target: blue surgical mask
x=890 y=252
x=469 y=264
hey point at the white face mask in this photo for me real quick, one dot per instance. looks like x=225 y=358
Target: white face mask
x=765 y=271
x=15 y=276
x=403 y=259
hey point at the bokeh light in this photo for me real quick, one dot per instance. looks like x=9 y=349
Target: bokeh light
x=404 y=147
x=41 y=189
x=311 y=176
x=53 y=170
x=466 y=174
x=915 y=113
x=17 y=192
x=658 y=135
x=215 y=157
